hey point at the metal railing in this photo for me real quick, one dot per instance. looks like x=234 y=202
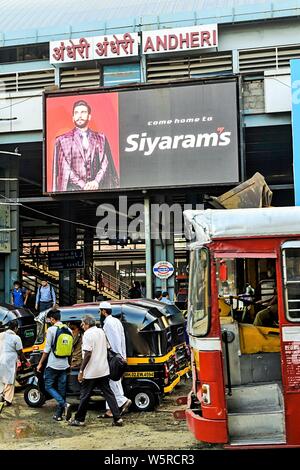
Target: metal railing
x=93 y=277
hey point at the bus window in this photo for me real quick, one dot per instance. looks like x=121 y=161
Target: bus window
x=199 y=300
x=226 y=285
x=291 y=265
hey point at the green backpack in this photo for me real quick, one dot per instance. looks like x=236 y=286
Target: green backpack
x=63 y=342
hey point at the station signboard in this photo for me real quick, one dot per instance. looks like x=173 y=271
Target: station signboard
x=163 y=269
x=66 y=259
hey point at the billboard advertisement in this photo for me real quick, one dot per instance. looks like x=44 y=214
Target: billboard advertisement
x=145 y=138
x=295 y=95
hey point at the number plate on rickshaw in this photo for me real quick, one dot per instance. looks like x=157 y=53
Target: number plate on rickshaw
x=139 y=374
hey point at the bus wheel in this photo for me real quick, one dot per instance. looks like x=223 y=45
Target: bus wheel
x=144 y=400
x=34 y=397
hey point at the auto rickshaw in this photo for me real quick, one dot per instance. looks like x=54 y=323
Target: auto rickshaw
x=151 y=360
x=175 y=322
x=175 y=327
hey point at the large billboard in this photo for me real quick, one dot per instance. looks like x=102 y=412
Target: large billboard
x=143 y=138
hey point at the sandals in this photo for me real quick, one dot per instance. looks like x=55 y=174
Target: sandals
x=105 y=415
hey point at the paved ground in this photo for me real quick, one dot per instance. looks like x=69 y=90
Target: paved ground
x=22 y=428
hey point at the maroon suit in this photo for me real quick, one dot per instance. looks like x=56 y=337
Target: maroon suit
x=74 y=166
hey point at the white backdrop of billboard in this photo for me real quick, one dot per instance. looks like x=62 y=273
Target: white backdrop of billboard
x=127 y=45
x=25 y=112
x=277 y=87
x=180 y=39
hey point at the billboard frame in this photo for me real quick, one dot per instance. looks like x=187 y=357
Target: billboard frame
x=147 y=86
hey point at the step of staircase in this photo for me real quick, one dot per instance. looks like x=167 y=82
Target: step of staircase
x=256 y=424
x=81 y=283
x=259 y=397
x=256 y=415
x=259 y=440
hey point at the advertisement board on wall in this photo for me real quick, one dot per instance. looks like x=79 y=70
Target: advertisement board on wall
x=295 y=96
x=176 y=136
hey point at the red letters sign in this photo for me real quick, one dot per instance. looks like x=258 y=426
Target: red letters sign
x=180 y=39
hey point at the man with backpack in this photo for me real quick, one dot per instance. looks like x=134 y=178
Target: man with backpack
x=45 y=297
x=58 y=349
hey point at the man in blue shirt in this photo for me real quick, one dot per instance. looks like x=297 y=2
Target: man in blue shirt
x=19 y=295
x=165 y=298
x=45 y=297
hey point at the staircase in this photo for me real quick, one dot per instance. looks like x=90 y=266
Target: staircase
x=98 y=281
x=256 y=415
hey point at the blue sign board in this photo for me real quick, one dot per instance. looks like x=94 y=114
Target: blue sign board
x=295 y=78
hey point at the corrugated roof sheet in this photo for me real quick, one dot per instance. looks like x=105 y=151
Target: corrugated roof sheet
x=19 y=18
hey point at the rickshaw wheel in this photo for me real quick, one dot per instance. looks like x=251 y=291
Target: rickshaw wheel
x=144 y=400
x=34 y=397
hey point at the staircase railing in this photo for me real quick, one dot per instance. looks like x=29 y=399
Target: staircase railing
x=106 y=280
x=95 y=277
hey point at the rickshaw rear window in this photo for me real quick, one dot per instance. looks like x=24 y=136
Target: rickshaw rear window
x=137 y=316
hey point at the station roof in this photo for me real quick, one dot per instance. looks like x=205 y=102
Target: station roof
x=31 y=21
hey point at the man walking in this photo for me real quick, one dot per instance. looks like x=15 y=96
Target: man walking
x=45 y=297
x=115 y=335
x=82 y=157
x=56 y=369
x=94 y=371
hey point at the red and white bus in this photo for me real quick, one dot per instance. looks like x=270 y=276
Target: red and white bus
x=246 y=365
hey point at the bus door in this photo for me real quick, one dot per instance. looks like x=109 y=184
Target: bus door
x=251 y=345
x=290 y=336
x=206 y=414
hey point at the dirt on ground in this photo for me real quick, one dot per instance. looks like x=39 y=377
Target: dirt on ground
x=27 y=428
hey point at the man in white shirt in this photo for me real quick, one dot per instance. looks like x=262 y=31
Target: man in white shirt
x=94 y=371
x=115 y=335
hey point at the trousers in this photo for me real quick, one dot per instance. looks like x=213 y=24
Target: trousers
x=87 y=387
x=7 y=391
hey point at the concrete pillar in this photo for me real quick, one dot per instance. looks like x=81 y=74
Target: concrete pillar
x=9 y=240
x=149 y=293
x=67 y=241
x=162 y=226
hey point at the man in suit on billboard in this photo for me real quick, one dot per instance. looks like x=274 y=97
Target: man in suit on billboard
x=82 y=157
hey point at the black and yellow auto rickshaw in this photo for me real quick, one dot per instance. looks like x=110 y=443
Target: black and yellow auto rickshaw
x=175 y=325
x=151 y=361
